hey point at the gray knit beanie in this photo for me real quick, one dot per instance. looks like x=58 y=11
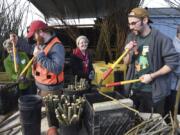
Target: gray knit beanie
x=81 y=37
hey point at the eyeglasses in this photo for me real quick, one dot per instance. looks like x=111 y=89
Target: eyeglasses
x=133 y=23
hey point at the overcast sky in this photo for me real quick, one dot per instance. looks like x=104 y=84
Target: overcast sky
x=155 y=3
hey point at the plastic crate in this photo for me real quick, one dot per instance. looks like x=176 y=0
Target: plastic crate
x=107 y=122
x=8 y=96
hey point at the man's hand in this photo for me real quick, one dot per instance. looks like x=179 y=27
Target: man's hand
x=131 y=45
x=37 y=51
x=146 y=78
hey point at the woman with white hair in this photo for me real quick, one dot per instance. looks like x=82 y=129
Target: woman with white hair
x=81 y=61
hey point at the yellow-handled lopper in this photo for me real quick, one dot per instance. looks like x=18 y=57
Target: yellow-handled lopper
x=107 y=73
x=121 y=83
x=14 y=58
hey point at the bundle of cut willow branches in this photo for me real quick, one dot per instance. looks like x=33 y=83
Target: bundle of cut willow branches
x=82 y=84
x=68 y=109
x=153 y=126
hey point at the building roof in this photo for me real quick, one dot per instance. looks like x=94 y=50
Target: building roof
x=70 y=9
x=164 y=12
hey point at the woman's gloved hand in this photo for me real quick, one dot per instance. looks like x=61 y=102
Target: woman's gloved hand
x=23 y=79
x=91 y=75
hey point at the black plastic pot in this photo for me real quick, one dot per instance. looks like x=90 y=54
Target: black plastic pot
x=177 y=131
x=9 y=94
x=72 y=129
x=30 y=114
x=51 y=117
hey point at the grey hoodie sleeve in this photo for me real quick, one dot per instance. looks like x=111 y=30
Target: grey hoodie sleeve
x=162 y=51
x=169 y=54
x=54 y=61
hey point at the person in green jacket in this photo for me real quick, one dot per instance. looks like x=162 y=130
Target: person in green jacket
x=21 y=60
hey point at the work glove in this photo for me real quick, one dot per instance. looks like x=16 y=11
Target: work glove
x=23 y=79
x=146 y=78
x=91 y=75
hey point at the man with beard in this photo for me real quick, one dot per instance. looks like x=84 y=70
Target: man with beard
x=48 y=59
x=151 y=58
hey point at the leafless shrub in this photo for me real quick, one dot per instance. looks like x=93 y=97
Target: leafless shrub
x=11 y=16
x=174 y=3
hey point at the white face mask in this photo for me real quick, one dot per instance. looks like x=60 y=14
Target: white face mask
x=9 y=49
x=83 y=44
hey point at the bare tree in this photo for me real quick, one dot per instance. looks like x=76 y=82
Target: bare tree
x=174 y=3
x=113 y=32
x=11 y=16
